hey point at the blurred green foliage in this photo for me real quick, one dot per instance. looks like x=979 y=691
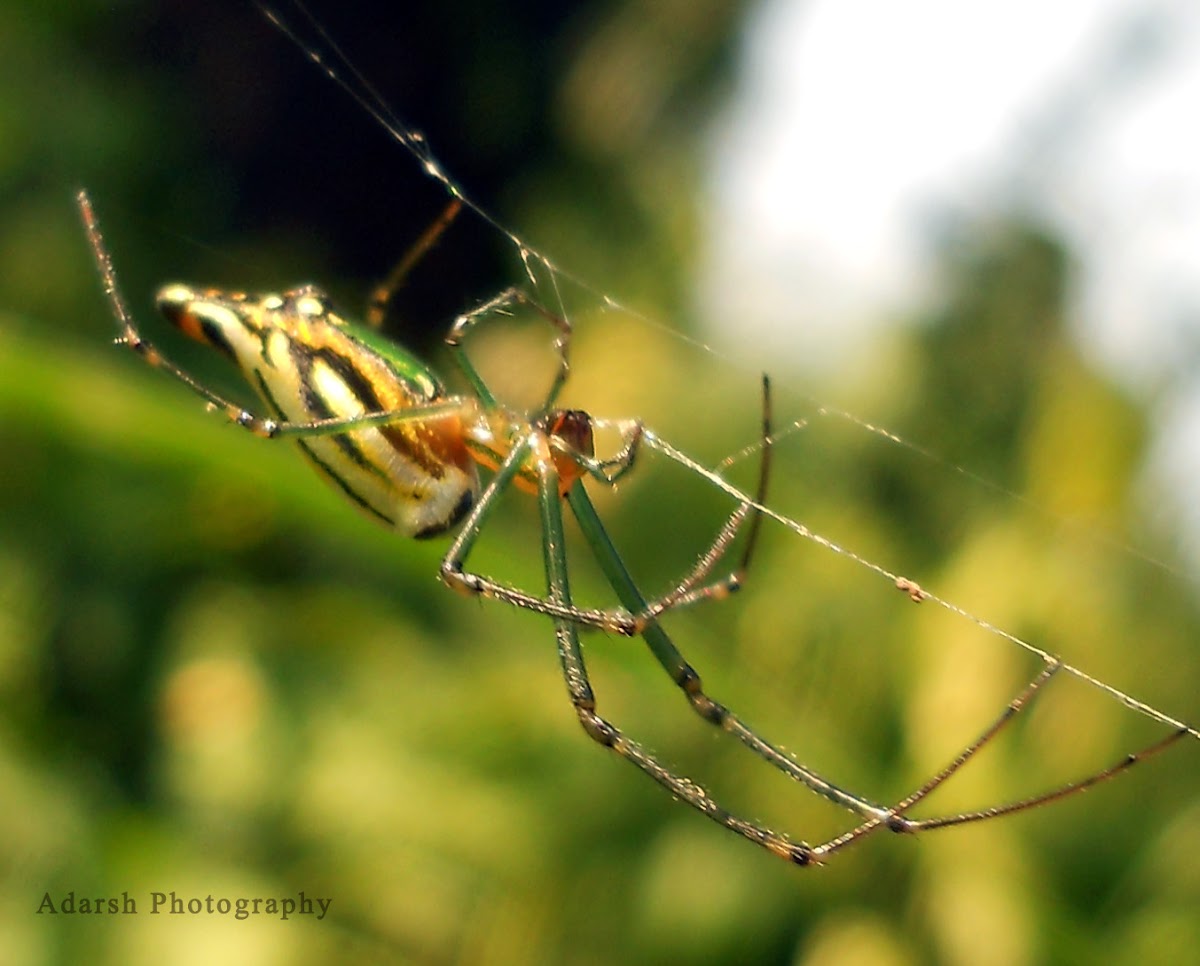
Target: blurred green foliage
x=218 y=679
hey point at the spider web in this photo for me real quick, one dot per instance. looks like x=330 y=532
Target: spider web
x=553 y=281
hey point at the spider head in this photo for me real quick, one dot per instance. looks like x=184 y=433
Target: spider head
x=573 y=427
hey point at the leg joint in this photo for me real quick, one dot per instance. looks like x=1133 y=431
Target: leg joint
x=453 y=576
x=689 y=680
x=597 y=728
x=708 y=709
x=800 y=854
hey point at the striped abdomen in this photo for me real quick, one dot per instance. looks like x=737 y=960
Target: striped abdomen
x=308 y=364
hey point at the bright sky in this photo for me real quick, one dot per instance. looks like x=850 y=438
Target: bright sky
x=858 y=124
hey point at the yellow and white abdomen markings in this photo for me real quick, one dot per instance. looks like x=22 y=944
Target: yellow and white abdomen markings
x=414 y=475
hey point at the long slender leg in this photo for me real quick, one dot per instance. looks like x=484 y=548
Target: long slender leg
x=453 y=570
x=453 y=575
x=607 y=471
x=377 y=305
x=689 y=590
x=685 y=676
x=619 y=621
x=584 y=701
x=1057 y=794
x=464 y=323
x=877 y=817
x=895 y=820
x=612 y=620
x=264 y=427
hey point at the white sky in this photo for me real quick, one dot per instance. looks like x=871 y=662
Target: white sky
x=857 y=124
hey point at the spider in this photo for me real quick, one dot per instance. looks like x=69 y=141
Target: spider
x=381 y=427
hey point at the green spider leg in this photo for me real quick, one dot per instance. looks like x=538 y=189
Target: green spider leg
x=688 y=680
x=538 y=445
x=534 y=443
x=573 y=440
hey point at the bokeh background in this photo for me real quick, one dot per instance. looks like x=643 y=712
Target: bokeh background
x=218 y=679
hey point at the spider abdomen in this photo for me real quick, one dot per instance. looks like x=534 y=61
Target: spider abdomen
x=310 y=365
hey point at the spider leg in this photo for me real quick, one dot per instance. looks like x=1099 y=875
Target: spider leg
x=688 y=591
x=685 y=676
x=895 y=820
x=464 y=323
x=453 y=570
x=584 y=700
x=621 y=621
x=261 y=426
x=453 y=574
x=687 y=679
x=377 y=304
x=1063 y=791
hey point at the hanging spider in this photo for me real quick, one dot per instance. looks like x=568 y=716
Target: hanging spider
x=381 y=427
